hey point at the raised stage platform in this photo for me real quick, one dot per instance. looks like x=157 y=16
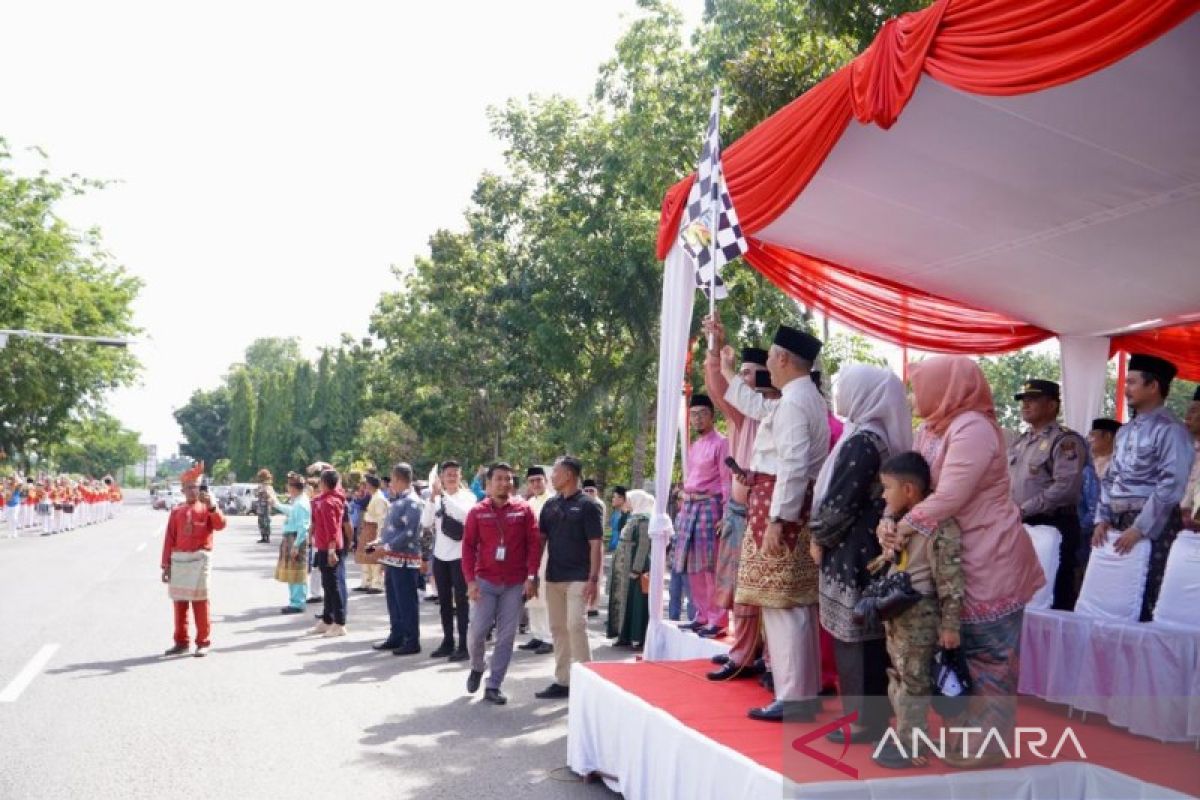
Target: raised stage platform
x=658 y=731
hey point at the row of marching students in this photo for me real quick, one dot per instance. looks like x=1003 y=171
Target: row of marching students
x=54 y=505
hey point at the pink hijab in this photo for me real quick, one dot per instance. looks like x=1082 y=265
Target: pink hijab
x=946 y=386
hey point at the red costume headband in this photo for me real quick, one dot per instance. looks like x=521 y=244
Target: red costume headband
x=193 y=474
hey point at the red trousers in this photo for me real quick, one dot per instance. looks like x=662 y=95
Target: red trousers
x=200 y=608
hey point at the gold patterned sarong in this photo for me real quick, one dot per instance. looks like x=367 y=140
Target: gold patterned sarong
x=783 y=580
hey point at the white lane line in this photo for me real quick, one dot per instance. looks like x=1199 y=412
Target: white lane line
x=26 y=675
x=141 y=547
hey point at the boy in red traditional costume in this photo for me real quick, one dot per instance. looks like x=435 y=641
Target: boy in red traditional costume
x=185 y=559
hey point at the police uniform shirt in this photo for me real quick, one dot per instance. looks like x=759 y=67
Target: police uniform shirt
x=1046 y=469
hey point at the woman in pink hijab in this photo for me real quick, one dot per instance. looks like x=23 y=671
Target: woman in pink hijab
x=963 y=443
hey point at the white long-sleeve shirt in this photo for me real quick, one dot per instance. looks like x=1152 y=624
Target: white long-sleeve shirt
x=792 y=440
x=457 y=505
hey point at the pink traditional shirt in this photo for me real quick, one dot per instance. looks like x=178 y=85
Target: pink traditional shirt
x=707 y=473
x=742 y=429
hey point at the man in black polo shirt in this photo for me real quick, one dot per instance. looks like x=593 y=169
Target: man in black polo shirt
x=572 y=525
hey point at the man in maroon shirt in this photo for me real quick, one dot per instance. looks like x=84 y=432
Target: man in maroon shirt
x=329 y=553
x=501 y=552
x=185 y=559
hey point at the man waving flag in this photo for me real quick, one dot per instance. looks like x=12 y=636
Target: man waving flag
x=709 y=209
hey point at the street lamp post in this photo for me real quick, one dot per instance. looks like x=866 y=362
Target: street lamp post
x=54 y=338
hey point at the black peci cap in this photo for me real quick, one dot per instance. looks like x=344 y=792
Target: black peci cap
x=797 y=342
x=1106 y=424
x=1158 y=367
x=701 y=400
x=754 y=355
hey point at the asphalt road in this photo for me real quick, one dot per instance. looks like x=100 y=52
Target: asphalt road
x=270 y=713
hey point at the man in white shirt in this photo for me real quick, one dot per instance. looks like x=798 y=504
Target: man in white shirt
x=775 y=570
x=446 y=514
x=535 y=616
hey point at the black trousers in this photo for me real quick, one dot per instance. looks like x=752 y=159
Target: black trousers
x=1066 y=521
x=452 y=598
x=863 y=682
x=333 y=586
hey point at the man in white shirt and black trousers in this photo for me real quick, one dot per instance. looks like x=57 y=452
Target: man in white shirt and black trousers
x=446 y=513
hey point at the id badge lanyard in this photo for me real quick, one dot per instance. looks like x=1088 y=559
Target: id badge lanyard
x=501 y=549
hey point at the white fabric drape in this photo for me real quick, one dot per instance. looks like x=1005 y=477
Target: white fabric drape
x=672 y=644
x=1084 y=362
x=646 y=754
x=679 y=293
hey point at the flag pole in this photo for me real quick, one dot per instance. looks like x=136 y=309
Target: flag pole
x=714 y=221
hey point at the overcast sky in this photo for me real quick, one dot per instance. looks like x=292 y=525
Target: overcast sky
x=275 y=158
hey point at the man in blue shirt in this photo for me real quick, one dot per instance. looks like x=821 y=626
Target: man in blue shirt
x=1141 y=492
x=402 y=559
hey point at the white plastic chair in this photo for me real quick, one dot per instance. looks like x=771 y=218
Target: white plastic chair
x=1046 y=543
x=1179 y=598
x=1113 y=584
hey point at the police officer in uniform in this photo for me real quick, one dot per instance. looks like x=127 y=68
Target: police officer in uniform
x=1046 y=466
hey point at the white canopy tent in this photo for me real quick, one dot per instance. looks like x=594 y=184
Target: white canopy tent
x=1075 y=209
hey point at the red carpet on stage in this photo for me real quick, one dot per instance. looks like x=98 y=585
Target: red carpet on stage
x=718 y=711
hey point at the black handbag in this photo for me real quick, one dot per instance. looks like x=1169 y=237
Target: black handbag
x=452 y=528
x=950 y=681
x=886 y=596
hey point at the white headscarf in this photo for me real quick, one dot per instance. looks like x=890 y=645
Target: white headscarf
x=640 y=502
x=868 y=398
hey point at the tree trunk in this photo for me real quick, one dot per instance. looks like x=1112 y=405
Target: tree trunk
x=640 y=445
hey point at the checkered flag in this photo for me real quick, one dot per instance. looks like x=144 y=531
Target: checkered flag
x=708 y=199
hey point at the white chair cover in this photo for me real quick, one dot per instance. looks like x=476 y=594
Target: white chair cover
x=1179 y=597
x=1046 y=542
x=1113 y=584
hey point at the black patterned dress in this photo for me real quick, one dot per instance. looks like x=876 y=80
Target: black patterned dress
x=845 y=526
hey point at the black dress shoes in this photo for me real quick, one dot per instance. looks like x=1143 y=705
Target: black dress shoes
x=555 y=691
x=864 y=736
x=690 y=626
x=473 y=681
x=710 y=632
x=721 y=658
x=495 y=696
x=532 y=644
x=407 y=650
x=460 y=654
x=386 y=646
x=732 y=671
x=784 y=710
x=445 y=649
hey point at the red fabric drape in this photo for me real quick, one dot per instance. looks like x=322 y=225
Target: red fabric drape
x=1180 y=344
x=991 y=47
x=869 y=304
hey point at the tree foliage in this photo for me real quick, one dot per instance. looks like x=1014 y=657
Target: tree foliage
x=96 y=445
x=60 y=280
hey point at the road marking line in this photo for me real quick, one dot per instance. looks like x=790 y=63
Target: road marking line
x=26 y=675
x=141 y=547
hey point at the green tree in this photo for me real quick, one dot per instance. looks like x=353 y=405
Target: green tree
x=384 y=440
x=204 y=421
x=242 y=407
x=55 y=279
x=272 y=355
x=97 y=445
